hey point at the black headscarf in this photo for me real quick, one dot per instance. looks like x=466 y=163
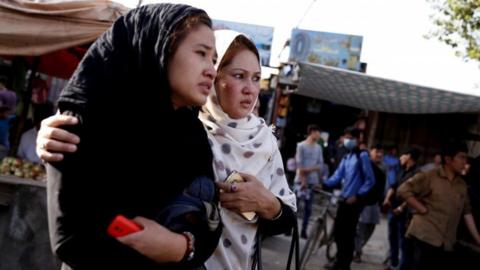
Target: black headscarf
x=136 y=151
x=133 y=52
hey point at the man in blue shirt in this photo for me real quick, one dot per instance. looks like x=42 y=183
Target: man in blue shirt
x=392 y=164
x=395 y=235
x=356 y=178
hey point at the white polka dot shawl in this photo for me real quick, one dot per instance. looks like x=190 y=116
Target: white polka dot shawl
x=245 y=145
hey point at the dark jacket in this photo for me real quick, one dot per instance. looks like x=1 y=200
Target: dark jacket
x=121 y=95
x=402 y=176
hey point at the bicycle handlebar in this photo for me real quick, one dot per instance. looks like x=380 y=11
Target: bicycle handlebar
x=318 y=189
x=332 y=197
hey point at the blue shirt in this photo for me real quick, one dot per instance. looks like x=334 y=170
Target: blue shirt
x=349 y=172
x=393 y=167
x=4 y=131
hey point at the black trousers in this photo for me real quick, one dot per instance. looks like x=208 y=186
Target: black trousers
x=345 y=229
x=428 y=257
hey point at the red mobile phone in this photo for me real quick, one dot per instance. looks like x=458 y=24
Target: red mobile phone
x=122 y=226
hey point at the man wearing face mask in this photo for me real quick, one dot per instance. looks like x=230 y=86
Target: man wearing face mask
x=357 y=178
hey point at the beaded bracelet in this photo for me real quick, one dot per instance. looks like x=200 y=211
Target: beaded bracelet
x=190 y=252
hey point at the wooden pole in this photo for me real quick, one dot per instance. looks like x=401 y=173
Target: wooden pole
x=373 y=129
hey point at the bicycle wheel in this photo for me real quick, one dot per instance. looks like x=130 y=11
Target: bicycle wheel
x=312 y=244
x=331 y=248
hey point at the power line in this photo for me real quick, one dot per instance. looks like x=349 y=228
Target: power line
x=306 y=12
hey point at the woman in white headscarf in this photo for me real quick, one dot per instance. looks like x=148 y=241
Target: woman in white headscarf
x=241 y=142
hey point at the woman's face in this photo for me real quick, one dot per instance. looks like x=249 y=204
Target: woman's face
x=238 y=84
x=191 y=71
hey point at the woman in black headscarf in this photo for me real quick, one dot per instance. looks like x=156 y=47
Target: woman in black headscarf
x=152 y=67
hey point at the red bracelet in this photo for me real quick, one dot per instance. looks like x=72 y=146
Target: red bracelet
x=190 y=252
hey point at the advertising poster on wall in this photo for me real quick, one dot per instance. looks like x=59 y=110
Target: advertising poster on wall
x=261 y=35
x=330 y=49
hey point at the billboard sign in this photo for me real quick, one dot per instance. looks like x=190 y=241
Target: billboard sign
x=330 y=49
x=261 y=35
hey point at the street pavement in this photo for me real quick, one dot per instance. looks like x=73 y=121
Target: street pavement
x=275 y=252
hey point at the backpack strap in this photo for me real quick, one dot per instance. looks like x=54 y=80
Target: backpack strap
x=360 y=163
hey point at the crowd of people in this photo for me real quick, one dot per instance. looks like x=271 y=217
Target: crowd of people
x=424 y=205
x=9 y=124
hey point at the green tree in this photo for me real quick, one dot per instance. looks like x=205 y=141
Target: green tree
x=458 y=25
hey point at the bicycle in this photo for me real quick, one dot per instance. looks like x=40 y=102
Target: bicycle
x=321 y=236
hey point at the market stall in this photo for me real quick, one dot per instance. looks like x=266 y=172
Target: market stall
x=51 y=37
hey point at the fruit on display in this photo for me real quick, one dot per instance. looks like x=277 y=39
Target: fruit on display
x=22 y=168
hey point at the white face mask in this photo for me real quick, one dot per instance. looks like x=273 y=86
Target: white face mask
x=350 y=144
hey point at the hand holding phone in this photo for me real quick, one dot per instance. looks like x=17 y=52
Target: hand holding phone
x=122 y=226
x=235 y=177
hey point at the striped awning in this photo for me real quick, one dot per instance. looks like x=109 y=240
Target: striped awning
x=362 y=91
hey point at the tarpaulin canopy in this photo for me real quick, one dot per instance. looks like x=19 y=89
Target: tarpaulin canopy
x=60 y=63
x=54 y=30
x=359 y=90
x=30 y=28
